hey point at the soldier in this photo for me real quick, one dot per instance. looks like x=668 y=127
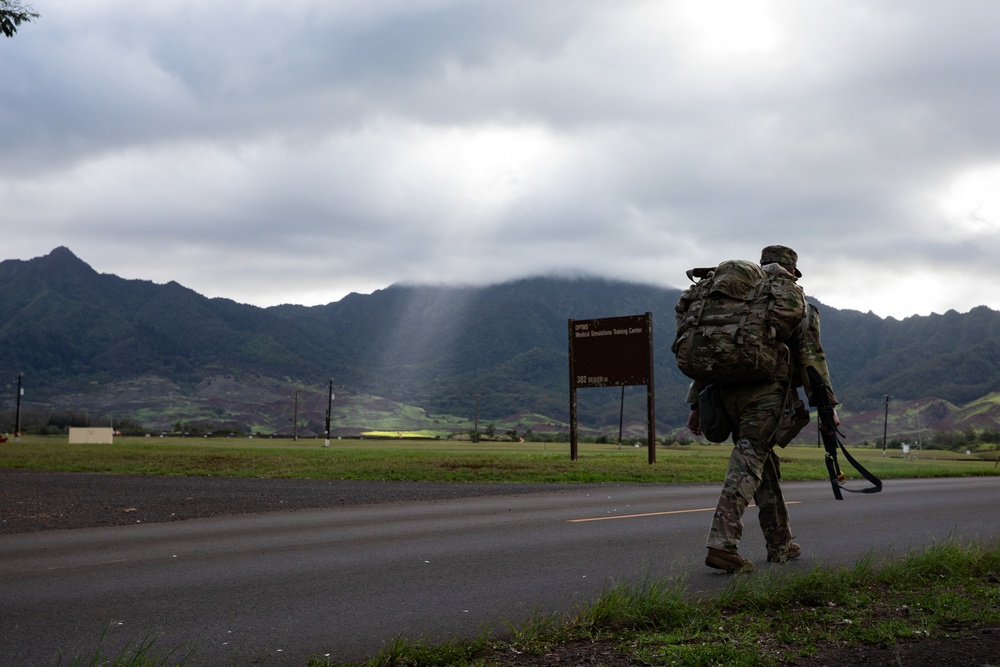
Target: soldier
x=754 y=411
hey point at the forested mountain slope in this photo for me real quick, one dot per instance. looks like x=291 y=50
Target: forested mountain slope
x=81 y=338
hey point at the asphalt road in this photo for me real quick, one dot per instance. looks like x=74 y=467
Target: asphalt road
x=286 y=586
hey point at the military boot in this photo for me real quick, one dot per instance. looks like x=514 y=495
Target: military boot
x=729 y=561
x=783 y=554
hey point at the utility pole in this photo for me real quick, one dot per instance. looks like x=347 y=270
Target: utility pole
x=475 y=431
x=295 y=418
x=329 y=410
x=885 y=425
x=17 y=418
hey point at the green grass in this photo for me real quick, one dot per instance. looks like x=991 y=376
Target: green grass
x=444 y=461
x=946 y=590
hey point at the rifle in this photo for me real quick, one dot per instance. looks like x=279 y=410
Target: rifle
x=831 y=440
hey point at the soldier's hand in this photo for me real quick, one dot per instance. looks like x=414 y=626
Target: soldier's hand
x=694 y=423
x=825 y=427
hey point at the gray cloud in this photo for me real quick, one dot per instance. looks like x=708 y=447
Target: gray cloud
x=297 y=151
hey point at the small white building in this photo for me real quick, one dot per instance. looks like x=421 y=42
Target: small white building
x=90 y=436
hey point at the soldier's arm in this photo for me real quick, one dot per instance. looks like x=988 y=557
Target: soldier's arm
x=810 y=352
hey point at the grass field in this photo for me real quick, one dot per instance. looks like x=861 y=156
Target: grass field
x=448 y=461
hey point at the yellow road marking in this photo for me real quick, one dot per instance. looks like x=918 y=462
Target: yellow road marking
x=637 y=516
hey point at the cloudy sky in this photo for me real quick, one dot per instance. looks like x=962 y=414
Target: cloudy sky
x=296 y=151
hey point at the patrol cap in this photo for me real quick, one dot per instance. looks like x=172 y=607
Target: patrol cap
x=779 y=254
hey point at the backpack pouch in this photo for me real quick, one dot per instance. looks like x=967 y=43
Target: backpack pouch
x=713 y=420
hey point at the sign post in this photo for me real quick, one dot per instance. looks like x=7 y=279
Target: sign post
x=612 y=352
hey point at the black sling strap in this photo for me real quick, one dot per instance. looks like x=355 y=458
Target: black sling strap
x=831 y=441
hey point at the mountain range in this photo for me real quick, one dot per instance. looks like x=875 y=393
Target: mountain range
x=163 y=356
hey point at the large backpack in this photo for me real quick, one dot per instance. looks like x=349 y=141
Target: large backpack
x=735 y=323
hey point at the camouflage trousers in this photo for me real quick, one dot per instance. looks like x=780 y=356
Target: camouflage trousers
x=754 y=471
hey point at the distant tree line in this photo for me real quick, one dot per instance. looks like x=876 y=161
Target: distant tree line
x=43 y=421
x=954 y=440
x=968 y=438
x=40 y=420
x=37 y=420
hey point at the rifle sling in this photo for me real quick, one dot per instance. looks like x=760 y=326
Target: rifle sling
x=834 y=470
x=819 y=392
x=876 y=482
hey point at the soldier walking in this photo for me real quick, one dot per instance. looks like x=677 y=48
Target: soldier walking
x=763 y=414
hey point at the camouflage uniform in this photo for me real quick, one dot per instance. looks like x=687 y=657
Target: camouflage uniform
x=754 y=409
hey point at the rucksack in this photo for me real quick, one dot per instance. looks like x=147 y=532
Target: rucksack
x=734 y=324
